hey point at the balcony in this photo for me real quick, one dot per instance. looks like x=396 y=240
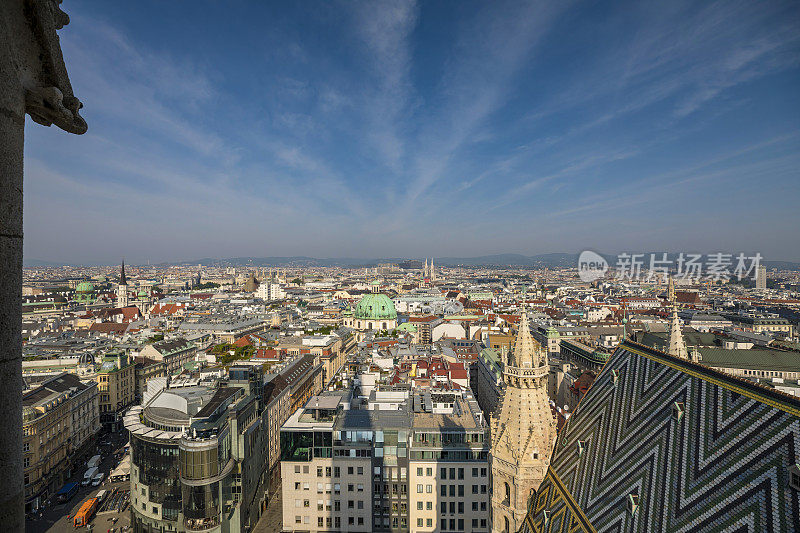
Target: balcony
x=201 y=524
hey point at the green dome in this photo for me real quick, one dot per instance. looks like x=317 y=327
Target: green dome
x=375 y=307
x=142 y=294
x=407 y=326
x=85 y=286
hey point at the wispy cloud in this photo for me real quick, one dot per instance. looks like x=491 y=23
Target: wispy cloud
x=492 y=47
x=368 y=128
x=384 y=30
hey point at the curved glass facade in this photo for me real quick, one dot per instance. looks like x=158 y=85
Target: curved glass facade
x=199 y=463
x=158 y=469
x=201 y=502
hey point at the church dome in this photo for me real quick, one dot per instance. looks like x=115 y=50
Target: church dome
x=85 y=286
x=375 y=307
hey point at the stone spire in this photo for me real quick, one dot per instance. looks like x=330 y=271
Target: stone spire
x=433 y=272
x=122 y=279
x=523 y=431
x=425 y=270
x=527 y=352
x=676 y=345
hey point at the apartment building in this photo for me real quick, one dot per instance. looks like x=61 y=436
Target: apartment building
x=328 y=350
x=116 y=384
x=145 y=369
x=397 y=461
x=304 y=377
x=486 y=380
x=60 y=421
x=174 y=353
x=276 y=401
x=773 y=325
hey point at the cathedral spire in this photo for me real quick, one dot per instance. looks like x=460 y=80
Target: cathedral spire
x=122 y=280
x=527 y=352
x=677 y=347
x=523 y=431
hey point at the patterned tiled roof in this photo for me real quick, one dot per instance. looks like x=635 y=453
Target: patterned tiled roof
x=662 y=444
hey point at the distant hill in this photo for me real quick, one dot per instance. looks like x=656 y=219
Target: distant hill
x=38 y=263
x=549 y=260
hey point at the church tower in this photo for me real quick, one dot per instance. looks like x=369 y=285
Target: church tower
x=122 y=288
x=677 y=346
x=523 y=432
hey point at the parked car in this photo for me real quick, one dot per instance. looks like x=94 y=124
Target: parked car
x=96 y=480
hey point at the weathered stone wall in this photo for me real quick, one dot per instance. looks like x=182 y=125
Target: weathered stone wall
x=33 y=80
x=12 y=124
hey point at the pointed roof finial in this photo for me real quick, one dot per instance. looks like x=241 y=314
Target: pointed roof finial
x=671 y=291
x=677 y=346
x=527 y=352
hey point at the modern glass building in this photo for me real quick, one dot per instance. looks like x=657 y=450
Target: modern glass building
x=198 y=457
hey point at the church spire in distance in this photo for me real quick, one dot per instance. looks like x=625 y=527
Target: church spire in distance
x=122 y=288
x=677 y=346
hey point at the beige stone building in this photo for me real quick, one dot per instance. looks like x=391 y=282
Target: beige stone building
x=146 y=369
x=60 y=423
x=523 y=432
x=407 y=460
x=174 y=353
x=116 y=384
x=327 y=349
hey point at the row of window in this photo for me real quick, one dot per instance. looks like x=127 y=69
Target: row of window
x=457 y=524
x=337 y=487
x=336 y=471
x=386 y=488
x=456 y=472
x=444 y=506
x=396 y=507
x=337 y=506
x=327 y=522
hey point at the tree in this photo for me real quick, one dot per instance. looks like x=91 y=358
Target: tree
x=221 y=348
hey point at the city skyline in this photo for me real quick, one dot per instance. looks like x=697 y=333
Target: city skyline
x=369 y=130
x=398 y=266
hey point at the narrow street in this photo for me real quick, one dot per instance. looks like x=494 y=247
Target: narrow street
x=54 y=518
x=271 y=520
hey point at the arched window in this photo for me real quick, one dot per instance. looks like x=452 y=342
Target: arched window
x=508 y=494
x=507 y=526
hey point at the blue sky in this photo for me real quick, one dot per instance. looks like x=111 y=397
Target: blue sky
x=369 y=129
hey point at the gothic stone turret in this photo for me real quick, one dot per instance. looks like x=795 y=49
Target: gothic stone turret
x=523 y=432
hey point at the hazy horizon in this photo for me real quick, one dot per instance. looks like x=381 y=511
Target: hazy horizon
x=449 y=129
x=361 y=260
